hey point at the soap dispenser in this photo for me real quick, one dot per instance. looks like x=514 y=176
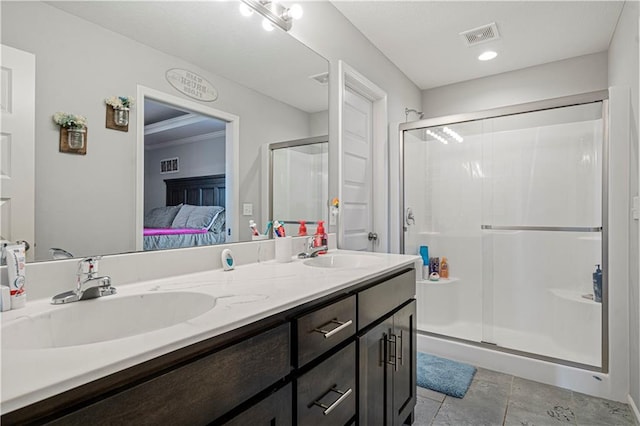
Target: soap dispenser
x=320 y=237
x=302 y=230
x=597 y=284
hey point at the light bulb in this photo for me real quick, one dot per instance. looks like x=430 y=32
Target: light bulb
x=267 y=25
x=295 y=11
x=488 y=55
x=245 y=10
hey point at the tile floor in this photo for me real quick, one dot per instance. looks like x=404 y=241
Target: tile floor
x=501 y=399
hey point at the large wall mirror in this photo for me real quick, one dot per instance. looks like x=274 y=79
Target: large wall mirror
x=270 y=88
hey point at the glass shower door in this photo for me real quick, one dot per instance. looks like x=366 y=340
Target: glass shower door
x=443 y=189
x=515 y=205
x=542 y=232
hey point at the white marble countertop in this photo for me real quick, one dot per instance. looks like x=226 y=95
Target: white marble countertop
x=245 y=295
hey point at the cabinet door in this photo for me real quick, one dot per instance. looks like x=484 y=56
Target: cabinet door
x=404 y=375
x=374 y=373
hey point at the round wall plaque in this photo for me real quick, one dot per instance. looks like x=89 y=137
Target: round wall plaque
x=191 y=84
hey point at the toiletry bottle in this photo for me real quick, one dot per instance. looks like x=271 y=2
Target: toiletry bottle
x=227 y=260
x=278 y=229
x=444 y=268
x=320 y=237
x=597 y=284
x=302 y=230
x=254 y=228
x=16 y=260
x=424 y=253
x=434 y=266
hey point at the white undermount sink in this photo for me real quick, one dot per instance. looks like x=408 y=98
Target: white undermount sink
x=342 y=261
x=103 y=319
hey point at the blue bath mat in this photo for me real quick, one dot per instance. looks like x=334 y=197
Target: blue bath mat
x=443 y=375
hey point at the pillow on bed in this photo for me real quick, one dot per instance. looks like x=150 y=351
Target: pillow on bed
x=218 y=223
x=161 y=217
x=197 y=217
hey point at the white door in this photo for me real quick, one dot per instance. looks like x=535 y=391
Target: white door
x=356 y=194
x=17 y=147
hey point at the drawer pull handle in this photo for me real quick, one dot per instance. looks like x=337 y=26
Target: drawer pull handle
x=329 y=408
x=391 y=359
x=341 y=326
x=400 y=357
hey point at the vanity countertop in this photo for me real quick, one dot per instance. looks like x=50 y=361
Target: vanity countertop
x=247 y=294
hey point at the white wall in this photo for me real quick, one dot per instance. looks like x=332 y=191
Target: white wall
x=562 y=78
x=200 y=158
x=623 y=71
x=324 y=29
x=78 y=64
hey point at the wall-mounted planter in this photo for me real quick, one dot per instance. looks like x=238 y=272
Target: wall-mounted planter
x=117 y=118
x=73 y=141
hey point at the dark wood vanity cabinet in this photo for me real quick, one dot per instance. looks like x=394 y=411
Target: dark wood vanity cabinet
x=387 y=366
x=346 y=358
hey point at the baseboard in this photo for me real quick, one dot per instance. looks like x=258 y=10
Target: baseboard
x=634 y=408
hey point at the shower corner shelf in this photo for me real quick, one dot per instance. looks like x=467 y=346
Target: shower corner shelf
x=440 y=281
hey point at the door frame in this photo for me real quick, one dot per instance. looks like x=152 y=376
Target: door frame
x=232 y=145
x=349 y=77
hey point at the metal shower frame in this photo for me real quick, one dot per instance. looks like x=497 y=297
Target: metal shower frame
x=561 y=102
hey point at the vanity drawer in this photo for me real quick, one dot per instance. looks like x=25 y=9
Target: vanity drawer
x=327 y=393
x=324 y=328
x=274 y=410
x=375 y=302
x=199 y=392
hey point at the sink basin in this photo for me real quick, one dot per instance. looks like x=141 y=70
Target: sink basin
x=103 y=319
x=342 y=261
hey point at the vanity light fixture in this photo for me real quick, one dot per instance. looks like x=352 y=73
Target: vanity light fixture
x=487 y=56
x=274 y=13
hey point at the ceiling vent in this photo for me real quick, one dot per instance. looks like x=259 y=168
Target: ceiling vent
x=481 y=34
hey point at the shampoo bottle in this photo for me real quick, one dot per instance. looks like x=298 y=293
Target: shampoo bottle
x=597 y=284
x=320 y=237
x=444 y=268
x=424 y=253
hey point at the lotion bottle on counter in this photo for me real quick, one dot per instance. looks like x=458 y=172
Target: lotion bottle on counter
x=16 y=270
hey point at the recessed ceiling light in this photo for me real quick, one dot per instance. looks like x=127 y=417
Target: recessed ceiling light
x=488 y=55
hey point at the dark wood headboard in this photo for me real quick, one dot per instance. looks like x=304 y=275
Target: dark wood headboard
x=197 y=191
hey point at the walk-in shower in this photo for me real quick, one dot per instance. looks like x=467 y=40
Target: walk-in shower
x=515 y=199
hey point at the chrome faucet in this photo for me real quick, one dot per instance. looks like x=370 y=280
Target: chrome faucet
x=310 y=250
x=88 y=284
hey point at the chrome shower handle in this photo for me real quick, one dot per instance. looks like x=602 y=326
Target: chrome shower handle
x=409 y=218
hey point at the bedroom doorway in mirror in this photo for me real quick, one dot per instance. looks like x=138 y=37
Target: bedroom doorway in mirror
x=186 y=157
